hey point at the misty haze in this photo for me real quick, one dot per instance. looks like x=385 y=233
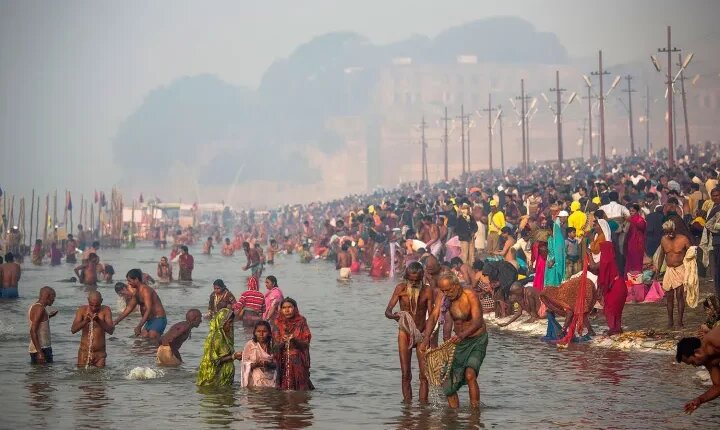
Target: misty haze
x=528 y=188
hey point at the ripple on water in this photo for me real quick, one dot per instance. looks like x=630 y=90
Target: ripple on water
x=524 y=383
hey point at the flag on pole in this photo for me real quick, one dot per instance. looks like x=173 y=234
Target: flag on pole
x=141 y=199
x=69 y=201
x=96 y=197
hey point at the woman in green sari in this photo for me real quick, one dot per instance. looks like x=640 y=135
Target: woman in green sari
x=216 y=367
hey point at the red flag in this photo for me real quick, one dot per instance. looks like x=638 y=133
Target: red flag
x=69 y=201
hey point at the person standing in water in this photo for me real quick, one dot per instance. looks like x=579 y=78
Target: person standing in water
x=208 y=246
x=164 y=271
x=186 y=263
x=471 y=338
x=153 y=321
x=415 y=299
x=168 y=353
x=343 y=263
x=253 y=260
x=40 y=348
x=10 y=273
x=87 y=272
x=94 y=319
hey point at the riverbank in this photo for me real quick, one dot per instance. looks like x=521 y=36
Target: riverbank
x=645 y=326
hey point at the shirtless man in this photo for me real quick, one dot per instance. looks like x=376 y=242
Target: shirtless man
x=470 y=337
x=673 y=249
x=228 y=249
x=527 y=299
x=272 y=250
x=208 y=246
x=153 y=321
x=10 y=273
x=344 y=261
x=88 y=272
x=168 y=353
x=705 y=352
x=253 y=260
x=463 y=271
x=94 y=320
x=415 y=300
x=40 y=348
x=430 y=234
x=507 y=251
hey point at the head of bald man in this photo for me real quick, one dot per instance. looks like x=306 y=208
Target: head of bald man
x=94 y=301
x=46 y=296
x=194 y=317
x=432 y=266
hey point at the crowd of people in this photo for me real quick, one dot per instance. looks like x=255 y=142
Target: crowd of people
x=558 y=241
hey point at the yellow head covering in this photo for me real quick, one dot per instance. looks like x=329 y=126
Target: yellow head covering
x=574 y=206
x=596 y=200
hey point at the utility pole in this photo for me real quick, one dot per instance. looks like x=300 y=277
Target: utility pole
x=558 y=114
x=669 y=50
x=647 y=118
x=445 y=118
x=462 y=131
x=582 y=147
x=502 y=147
x=424 y=166
x=600 y=72
x=524 y=129
x=590 y=98
x=489 y=111
x=468 y=145
x=684 y=102
x=629 y=90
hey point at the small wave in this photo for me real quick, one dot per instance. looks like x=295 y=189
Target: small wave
x=142 y=373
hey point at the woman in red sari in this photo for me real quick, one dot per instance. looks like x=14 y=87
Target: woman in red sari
x=611 y=287
x=292 y=340
x=634 y=247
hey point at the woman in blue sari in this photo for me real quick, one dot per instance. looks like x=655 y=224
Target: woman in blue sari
x=555 y=268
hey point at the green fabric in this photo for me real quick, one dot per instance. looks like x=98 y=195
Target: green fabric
x=217 y=344
x=469 y=353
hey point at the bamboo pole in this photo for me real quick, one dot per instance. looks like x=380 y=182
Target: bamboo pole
x=92 y=220
x=54 y=218
x=47 y=215
x=37 y=219
x=65 y=212
x=82 y=202
x=32 y=217
x=21 y=222
x=12 y=211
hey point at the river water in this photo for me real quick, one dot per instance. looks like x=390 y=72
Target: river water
x=524 y=383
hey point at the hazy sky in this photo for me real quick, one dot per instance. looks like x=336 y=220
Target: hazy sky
x=72 y=71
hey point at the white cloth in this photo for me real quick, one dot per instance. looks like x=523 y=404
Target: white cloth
x=43 y=331
x=480 y=236
x=692 y=283
x=407 y=324
x=258 y=377
x=615 y=210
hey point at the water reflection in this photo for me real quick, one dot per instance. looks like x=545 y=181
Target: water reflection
x=40 y=389
x=270 y=408
x=91 y=405
x=216 y=405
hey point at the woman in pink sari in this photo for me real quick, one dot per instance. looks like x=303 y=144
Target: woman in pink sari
x=634 y=247
x=611 y=287
x=539 y=257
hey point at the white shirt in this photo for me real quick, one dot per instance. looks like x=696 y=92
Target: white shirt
x=615 y=210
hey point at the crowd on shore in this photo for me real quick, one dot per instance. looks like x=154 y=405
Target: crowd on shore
x=558 y=242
